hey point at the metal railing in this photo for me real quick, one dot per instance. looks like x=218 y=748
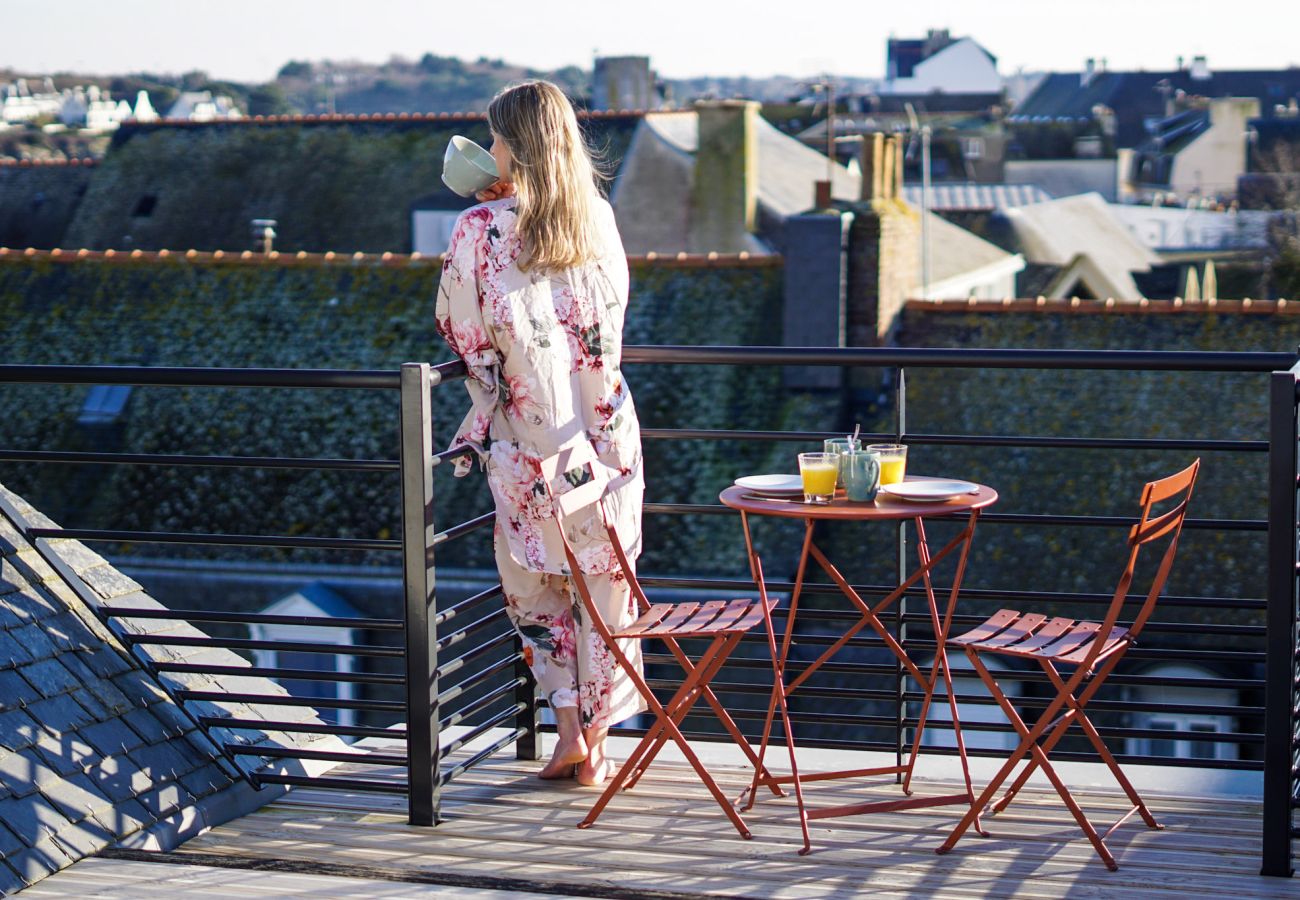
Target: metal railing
x=461 y=669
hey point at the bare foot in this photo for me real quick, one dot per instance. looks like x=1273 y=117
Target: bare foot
x=596 y=768
x=565 y=760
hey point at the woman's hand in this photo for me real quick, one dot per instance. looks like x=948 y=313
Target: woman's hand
x=498 y=190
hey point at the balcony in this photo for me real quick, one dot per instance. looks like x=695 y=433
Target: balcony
x=1209 y=697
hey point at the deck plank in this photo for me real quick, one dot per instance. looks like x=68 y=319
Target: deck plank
x=668 y=835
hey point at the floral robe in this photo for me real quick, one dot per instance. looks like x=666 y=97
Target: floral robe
x=543 y=353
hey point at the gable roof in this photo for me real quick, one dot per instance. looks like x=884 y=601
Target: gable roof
x=93 y=750
x=1138 y=97
x=1059 y=231
x=653 y=198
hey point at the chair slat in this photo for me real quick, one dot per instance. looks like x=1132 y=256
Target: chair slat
x=727 y=618
x=651 y=617
x=1045 y=635
x=1117 y=637
x=754 y=615
x=704 y=615
x=989 y=627
x=1016 y=632
x=670 y=617
x=1081 y=633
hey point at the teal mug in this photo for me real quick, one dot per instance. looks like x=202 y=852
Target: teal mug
x=861 y=470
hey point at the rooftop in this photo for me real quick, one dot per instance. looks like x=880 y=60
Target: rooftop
x=506 y=831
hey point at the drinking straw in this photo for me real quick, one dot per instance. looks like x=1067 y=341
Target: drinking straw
x=853 y=441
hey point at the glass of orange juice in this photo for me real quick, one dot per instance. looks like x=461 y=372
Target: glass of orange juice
x=893 y=461
x=818 y=471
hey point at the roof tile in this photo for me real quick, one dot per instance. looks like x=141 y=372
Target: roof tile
x=15 y=692
x=34 y=641
x=109 y=582
x=19 y=771
x=207 y=780
x=108 y=694
x=9 y=844
x=162 y=762
x=126 y=816
x=146 y=724
x=12 y=652
x=18 y=730
x=162 y=801
x=40 y=860
x=112 y=737
x=75 y=797
x=84 y=838
x=104 y=661
x=31 y=818
x=49 y=676
x=61 y=713
x=10 y=883
x=68 y=754
x=119 y=778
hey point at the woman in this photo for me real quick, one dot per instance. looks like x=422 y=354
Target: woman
x=532 y=297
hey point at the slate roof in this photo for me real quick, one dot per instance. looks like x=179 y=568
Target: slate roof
x=969 y=197
x=652 y=202
x=93 y=750
x=1135 y=98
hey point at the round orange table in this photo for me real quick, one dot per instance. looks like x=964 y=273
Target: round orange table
x=884 y=508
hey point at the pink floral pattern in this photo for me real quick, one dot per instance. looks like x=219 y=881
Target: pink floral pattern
x=543 y=354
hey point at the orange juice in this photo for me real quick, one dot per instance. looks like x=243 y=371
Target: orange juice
x=891 y=470
x=819 y=477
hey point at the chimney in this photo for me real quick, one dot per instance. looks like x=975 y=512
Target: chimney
x=724 y=194
x=1200 y=69
x=1089 y=70
x=881 y=162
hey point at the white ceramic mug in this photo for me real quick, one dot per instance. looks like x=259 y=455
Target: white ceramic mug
x=467 y=168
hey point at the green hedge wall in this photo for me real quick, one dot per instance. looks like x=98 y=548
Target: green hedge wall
x=345 y=317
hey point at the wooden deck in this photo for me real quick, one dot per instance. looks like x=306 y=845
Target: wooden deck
x=508 y=831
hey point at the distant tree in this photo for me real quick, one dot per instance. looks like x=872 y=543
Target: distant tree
x=269 y=100
x=1281 y=162
x=296 y=69
x=195 y=80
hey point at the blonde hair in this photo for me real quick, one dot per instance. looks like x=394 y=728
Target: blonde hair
x=552 y=170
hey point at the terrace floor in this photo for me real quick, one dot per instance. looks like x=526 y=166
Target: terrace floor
x=508 y=834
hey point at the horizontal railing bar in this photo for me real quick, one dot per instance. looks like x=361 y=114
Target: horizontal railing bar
x=452 y=612
x=469 y=656
x=477 y=705
x=967 y=593
x=379 y=759
x=1130 y=360
x=239 y=724
x=464 y=528
x=470 y=683
x=192 y=376
x=481 y=729
x=283 y=674
x=216 y=462
x=463 y=634
x=715 y=509
x=200 y=615
x=177 y=640
x=945 y=440
x=395 y=706
x=496 y=746
x=223 y=540
x=326 y=783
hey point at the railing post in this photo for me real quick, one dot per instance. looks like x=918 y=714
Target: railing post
x=1280 y=668
x=527 y=745
x=900 y=573
x=418 y=583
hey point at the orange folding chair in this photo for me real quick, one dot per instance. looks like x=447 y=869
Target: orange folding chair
x=723 y=623
x=1093 y=649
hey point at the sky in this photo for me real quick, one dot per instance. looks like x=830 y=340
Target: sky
x=248 y=40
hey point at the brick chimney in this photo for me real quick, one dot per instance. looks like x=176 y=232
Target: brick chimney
x=724 y=194
x=883 y=245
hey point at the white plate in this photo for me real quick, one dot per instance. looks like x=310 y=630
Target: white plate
x=771 y=484
x=929 y=490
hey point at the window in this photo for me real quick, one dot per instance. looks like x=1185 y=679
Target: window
x=1182 y=743
x=314 y=600
x=144 y=206
x=431 y=230
x=972 y=148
